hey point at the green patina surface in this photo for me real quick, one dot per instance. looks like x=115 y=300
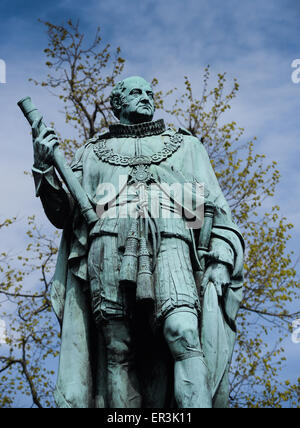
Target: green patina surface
x=147 y=304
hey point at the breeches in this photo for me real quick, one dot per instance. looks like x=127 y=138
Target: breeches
x=174 y=284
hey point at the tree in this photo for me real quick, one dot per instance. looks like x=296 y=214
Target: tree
x=32 y=342
x=270 y=275
x=77 y=77
x=32 y=336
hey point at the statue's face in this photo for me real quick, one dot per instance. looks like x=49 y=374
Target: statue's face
x=137 y=101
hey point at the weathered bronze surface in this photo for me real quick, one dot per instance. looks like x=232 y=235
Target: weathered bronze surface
x=146 y=295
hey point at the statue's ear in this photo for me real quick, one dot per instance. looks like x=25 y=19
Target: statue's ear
x=117 y=102
x=116 y=105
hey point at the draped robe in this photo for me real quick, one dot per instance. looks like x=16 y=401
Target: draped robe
x=82 y=367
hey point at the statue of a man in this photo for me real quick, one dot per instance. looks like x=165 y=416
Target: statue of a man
x=138 y=329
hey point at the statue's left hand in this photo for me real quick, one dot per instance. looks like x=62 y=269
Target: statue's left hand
x=218 y=274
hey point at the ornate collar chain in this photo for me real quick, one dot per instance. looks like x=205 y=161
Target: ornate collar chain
x=140 y=163
x=145 y=129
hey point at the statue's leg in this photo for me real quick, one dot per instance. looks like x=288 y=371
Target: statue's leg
x=122 y=384
x=177 y=309
x=109 y=307
x=191 y=387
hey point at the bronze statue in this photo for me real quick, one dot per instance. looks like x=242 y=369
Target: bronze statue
x=146 y=294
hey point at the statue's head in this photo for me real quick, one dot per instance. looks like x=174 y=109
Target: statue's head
x=132 y=100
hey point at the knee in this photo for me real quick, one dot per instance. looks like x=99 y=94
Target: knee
x=118 y=343
x=181 y=333
x=117 y=350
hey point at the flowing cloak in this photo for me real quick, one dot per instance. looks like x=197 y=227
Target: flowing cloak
x=82 y=354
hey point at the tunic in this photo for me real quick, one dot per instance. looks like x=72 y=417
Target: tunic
x=89 y=261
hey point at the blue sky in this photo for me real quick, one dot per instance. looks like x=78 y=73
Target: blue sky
x=253 y=41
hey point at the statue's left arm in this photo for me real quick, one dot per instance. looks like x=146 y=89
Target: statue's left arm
x=224 y=260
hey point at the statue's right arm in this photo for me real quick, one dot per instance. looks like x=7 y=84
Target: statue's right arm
x=56 y=200
x=57 y=203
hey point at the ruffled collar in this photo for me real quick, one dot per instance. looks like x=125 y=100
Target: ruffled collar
x=144 y=129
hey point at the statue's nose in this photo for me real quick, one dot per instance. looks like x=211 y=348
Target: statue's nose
x=145 y=98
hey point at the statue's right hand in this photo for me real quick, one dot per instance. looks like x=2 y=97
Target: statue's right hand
x=43 y=145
